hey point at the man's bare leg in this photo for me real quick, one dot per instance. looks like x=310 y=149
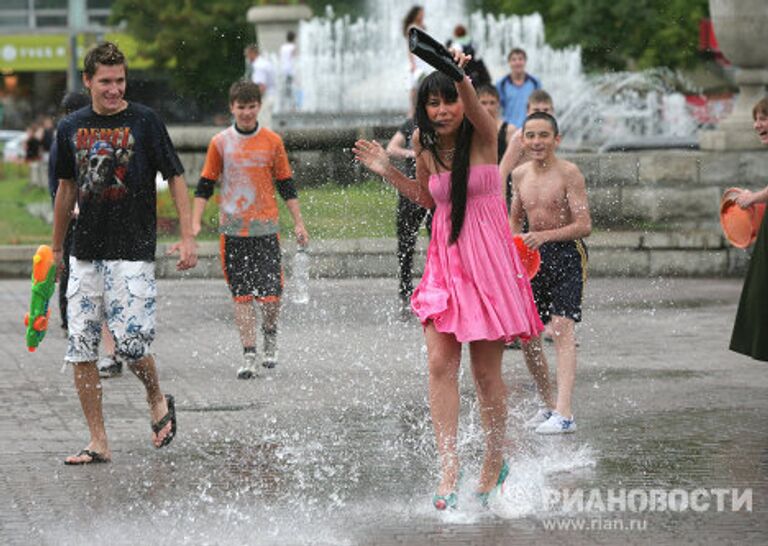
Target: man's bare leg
x=245 y=319
x=565 y=344
x=146 y=371
x=89 y=391
x=270 y=312
x=533 y=353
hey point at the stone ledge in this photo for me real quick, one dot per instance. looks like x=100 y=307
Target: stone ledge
x=620 y=253
x=669 y=167
x=684 y=240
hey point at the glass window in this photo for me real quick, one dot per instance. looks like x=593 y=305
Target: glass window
x=46 y=4
x=13 y=21
x=51 y=20
x=95 y=4
x=98 y=20
x=14 y=4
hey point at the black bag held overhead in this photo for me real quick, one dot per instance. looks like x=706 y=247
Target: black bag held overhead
x=434 y=53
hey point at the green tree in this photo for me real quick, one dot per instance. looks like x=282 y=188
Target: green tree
x=618 y=34
x=198 y=43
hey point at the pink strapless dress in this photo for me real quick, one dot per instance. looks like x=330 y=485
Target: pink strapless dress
x=475 y=288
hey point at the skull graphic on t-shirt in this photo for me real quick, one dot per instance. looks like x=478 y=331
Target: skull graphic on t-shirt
x=103 y=157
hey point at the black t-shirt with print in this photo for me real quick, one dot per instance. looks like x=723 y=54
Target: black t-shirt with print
x=114 y=161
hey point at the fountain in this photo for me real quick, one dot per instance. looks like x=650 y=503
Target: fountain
x=354 y=72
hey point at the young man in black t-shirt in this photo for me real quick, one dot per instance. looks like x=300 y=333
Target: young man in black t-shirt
x=107 y=159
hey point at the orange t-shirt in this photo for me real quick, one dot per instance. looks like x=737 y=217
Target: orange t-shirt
x=246 y=167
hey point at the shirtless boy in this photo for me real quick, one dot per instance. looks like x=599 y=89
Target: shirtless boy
x=513 y=154
x=551 y=194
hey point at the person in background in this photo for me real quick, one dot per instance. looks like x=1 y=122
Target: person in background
x=514 y=154
x=263 y=75
x=251 y=166
x=417 y=69
x=475 y=69
x=249 y=55
x=750 y=329
x=515 y=88
x=46 y=140
x=71 y=102
x=409 y=216
x=489 y=99
x=550 y=194
x=288 y=53
x=33 y=150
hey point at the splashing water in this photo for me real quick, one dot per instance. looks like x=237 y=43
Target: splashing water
x=362 y=65
x=350 y=67
x=530 y=477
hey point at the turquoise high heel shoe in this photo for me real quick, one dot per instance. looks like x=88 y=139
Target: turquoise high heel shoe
x=503 y=473
x=451 y=500
x=443 y=502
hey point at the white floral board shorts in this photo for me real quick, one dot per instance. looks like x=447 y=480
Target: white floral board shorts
x=121 y=292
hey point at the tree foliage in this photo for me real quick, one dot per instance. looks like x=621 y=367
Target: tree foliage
x=197 y=42
x=618 y=34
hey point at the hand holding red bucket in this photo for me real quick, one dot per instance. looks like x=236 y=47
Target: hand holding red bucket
x=740 y=226
x=530 y=257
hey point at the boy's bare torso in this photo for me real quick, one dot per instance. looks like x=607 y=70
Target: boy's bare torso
x=544 y=193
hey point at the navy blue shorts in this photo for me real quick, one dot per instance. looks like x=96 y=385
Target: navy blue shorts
x=252 y=267
x=559 y=285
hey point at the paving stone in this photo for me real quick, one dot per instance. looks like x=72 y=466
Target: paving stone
x=335 y=445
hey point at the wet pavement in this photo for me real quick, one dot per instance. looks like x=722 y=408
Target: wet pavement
x=335 y=445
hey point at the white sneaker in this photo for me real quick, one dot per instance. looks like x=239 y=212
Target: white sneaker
x=557 y=424
x=248 y=371
x=270 y=361
x=541 y=416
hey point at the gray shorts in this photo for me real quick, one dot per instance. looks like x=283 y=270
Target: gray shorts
x=122 y=293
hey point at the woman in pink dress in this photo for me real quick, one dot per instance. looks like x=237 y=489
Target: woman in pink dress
x=474 y=289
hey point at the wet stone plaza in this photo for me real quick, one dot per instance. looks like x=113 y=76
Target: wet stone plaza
x=335 y=445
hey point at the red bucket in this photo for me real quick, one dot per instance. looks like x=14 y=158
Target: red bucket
x=530 y=258
x=740 y=226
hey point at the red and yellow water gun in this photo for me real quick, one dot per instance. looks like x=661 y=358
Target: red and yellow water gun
x=43 y=287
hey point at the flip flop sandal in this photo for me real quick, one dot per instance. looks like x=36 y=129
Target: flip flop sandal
x=95 y=456
x=168 y=417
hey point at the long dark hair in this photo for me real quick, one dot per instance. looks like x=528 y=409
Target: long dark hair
x=410 y=18
x=441 y=85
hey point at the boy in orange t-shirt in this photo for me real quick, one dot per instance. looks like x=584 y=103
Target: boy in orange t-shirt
x=250 y=163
